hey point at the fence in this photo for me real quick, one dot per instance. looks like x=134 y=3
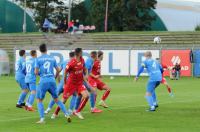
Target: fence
x=124 y=61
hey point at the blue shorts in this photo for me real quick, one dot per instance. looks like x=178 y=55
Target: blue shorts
x=44 y=87
x=60 y=88
x=152 y=85
x=22 y=83
x=88 y=87
x=31 y=86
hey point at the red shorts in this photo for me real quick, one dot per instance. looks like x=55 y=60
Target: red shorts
x=163 y=80
x=96 y=83
x=70 y=89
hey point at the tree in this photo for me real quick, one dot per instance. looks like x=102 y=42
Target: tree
x=80 y=12
x=122 y=15
x=54 y=10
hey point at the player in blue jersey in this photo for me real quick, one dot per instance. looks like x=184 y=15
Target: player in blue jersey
x=61 y=86
x=20 y=72
x=44 y=67
x=30 y=79
x=154 y=69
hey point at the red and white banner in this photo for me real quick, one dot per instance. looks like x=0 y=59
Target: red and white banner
x=182 y=57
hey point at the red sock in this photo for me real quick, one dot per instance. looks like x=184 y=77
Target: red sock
x=57 y=110
x=105 y=95
x=82 y=105
x=169 y=89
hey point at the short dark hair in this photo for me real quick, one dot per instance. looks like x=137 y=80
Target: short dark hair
x=22 y=52
x=71 y=54
x=43 y=48
x=93 y=54
x=33 y=52
x=78 y=50
x=100 y=53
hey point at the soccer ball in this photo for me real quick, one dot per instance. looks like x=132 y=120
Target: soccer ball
x=157 y=40
x=111 y=78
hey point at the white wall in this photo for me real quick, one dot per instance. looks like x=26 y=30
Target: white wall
x=115 y=62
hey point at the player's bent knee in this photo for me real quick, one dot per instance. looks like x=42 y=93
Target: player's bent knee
x=39 y=100
x=107 y=88
x=33 y=92
x=85 y=94
x=148 y=94
x=93 y=90
x=25 y=90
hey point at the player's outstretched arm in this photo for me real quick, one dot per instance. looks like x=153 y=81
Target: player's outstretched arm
x=139 y=72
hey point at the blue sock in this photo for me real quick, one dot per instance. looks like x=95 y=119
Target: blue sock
x=92 y=100
x=31 y=99
x=62 y=107
x=149 y=100
x=51 y=104
x=22 y=97
x=41 y=109
x=72 y=102
x=78 y=101
x=154 y=98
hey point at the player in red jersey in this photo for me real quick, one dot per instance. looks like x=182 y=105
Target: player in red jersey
x=74 y=84
x=95 y=79
x=164 y=81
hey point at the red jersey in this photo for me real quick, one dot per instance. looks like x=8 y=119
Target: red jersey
x=75 y=70
x=96 y=69
x=164 y=67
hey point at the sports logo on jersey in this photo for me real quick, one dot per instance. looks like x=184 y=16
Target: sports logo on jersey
x=175 y=60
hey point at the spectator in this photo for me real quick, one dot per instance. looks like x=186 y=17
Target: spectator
x=172 y=73
x=46 y=25
x=77 y=24
x=70 y=26
x=65 y=26
x=60 y=26
x=177 y=68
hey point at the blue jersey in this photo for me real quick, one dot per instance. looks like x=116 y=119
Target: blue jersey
x=20 y=68
x=63 y=66
x=30 y=71
x=153 y=69
x=88 y=64
x=46 y=64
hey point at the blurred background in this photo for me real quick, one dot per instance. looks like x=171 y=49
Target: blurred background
x=99 y=25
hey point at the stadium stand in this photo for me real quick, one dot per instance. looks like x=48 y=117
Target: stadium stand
x=122 y=40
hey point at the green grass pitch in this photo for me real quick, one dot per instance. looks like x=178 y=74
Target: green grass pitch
x=126 y=113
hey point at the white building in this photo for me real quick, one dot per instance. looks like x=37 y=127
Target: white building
x=179 y=15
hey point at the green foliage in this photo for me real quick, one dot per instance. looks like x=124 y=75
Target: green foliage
x=123 y=15
x=45 y=9
x=197 y=28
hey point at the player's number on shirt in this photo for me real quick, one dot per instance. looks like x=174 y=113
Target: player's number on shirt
x=154 y=65
x=28 y=68
x=47 y=66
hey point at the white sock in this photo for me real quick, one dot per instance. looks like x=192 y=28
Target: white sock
x=48 y=109
x=41 y=119
x=152 y=107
